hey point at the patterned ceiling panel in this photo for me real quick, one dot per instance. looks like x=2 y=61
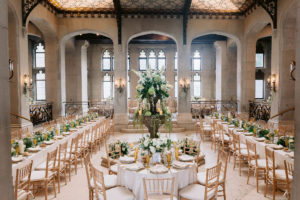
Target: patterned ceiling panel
x=227 y=6
x=152 y=5
x=83 y=5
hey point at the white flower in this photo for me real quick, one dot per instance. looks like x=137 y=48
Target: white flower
x=157 y=147
x=146 y=143
x=152 y=149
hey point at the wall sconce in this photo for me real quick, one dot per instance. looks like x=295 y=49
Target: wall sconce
x=271 y=82
x=292 y=69
x=27 y=83
x=11 y=68
x=184 y=84
x=120 y=84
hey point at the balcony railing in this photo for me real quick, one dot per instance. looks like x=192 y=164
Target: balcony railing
x=206 y=107
x=40 y=112
x=104 y=108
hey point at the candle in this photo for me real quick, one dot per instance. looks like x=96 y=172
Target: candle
x=21 y=146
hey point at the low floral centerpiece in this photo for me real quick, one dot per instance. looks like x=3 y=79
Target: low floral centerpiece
x=152 y=91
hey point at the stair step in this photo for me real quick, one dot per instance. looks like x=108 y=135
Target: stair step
x=161 y=130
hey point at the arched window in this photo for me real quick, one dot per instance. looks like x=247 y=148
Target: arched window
x=108 y=86
x=196 y=85
x=176 y=61
x=152 y=60
x=176 y=86
x=196 y=61
x=128 y=62
x=161 y=60
x=142 y=61
x=38 y=72
x=128 y=88
x=107 y=61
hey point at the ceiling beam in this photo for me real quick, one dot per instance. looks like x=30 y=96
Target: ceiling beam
x=186 y=11
x=118 y=12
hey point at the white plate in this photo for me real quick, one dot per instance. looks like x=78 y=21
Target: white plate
x=261 y=139
x=180 y=165
x=66 y=133
x=73 y=129
x=275 y=146
x=158 y=169
x=34 y=149
x=126 y=159
x=135 y=166
x=49 y=142
x=59 y=137
x=186 y=158
x=17 y=159
x=239 y=130
x=248 y=134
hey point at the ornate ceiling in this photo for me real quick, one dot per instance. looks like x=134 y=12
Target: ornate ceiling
x=82 y=5
x=154 y=6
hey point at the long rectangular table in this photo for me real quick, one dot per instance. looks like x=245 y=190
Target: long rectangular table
x=41 y=156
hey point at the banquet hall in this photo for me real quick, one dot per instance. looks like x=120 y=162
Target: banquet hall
x=149 y=100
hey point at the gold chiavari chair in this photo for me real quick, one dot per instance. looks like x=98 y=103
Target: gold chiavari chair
x=72 y=156
x=274 y=176
x=46 y=177
x=258 y=166
x=239 y=154
x=22 y=182
x=223 y=159
x=289 y=172
x=108 y=194
x=159 y=188
x=112 y=154
x=215 y=137
x=200 y=192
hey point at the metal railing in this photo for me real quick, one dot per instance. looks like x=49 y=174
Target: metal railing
x=206 y=107
x=104 y=108
x=259 y=110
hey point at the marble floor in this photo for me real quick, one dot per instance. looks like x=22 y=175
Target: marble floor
x=236 y=187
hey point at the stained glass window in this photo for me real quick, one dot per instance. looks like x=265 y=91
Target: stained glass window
x=161 y=60
x=152 y=60
x=142 y=60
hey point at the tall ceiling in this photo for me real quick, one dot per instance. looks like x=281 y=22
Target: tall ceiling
x=154 y=6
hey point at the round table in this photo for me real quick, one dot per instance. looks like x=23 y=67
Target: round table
x=133 y=180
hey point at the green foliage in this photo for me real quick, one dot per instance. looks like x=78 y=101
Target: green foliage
x=28 y=142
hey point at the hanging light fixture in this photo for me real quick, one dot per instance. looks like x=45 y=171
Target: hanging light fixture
x=292 y=69
x=11 y=68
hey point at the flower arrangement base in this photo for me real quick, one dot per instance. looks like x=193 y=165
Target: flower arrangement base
x=153 y=123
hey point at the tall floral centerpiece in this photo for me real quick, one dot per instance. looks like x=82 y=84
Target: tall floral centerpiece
x=152 y=91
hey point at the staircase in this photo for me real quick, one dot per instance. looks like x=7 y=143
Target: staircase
x=138 y=129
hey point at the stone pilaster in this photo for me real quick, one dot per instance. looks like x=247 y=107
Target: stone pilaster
x=184 y=117
x=84 y=76
x=6 y=186
x=120 y=98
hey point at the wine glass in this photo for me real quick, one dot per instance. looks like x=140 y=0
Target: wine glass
x=169 y=160
x=176 y=153
x=17 y=150
x=147 y=161
x=34 y=142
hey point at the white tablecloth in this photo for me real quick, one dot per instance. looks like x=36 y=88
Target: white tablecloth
x=41 y=156
x=134 y=180
x=280 y=155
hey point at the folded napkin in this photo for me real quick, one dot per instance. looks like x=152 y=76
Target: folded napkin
x=158 y=169
x=186 y=158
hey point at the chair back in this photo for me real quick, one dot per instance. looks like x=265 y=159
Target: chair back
x=62 y=154
x=223 y=158
x=87 y=162
x=51 y=161
x=22 y=174
x=252 y=154
x=270 y=162
x=73 y=148
x=212 y=180
x=289 y=171
x=98 y=179
x=158 y=187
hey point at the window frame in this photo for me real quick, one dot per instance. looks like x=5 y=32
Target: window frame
x=36 y=70
x=163 y=59
x=111 y=81
x=193 y=82
x=143 y=58
x=111 y=61
x=263 y=61
x=196 y=58
x=263 y=89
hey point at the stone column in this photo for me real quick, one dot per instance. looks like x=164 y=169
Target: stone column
x=134 y=60
x=296 y=178
x=170 y=55
x=84 y=83
x=220 y=64
x=184 y=117
x=6 y=186
x=246 y=73
x=53 y=78
x=120 y=98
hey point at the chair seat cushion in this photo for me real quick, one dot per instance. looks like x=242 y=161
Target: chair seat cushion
x=244 y=152
x=201 y=178
x=114 y=168
x=280 y=175
x=261 y=163
x=207 y=128
x=43 y=166
x=23 y=195
x=110 y=181
x=118 y=193
x=195 y=192
x=40 y=175
x=160 y=197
